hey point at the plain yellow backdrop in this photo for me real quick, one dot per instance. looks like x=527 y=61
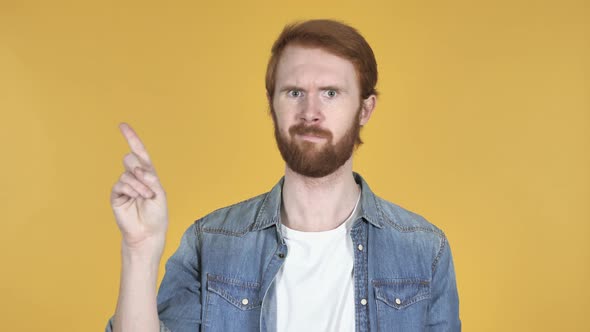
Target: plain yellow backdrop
x=482 y=126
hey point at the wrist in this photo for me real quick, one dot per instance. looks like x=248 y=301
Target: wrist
x=148 y=252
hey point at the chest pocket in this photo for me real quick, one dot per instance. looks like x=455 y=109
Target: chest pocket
x=232 y=304
x=402 y=304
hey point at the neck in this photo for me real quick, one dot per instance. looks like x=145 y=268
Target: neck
x=318 y=204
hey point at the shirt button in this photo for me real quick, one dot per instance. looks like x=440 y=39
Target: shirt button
x=364 y=301
x=360 y=247
x=398 y=301
x=245 y=301
x=281 y=255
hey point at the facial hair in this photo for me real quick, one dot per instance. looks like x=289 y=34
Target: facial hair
x=316 y=159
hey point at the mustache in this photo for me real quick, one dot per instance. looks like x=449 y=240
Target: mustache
x=301 y=129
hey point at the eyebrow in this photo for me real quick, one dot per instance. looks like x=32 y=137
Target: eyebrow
x=327 y=87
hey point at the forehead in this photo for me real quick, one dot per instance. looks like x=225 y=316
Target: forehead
x=300 y=65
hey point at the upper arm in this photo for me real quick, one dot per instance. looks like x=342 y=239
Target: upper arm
x=443 y=313
x=179 y=296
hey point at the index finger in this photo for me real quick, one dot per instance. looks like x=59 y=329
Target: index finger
x=135 y=143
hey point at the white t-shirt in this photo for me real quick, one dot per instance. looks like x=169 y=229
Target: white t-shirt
x=315 y=285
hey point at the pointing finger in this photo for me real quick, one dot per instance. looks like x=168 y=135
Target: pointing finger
x=135 y=143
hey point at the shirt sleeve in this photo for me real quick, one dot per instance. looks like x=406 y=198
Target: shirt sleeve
x=109 y=327
x=179 y=295
x=443 y=314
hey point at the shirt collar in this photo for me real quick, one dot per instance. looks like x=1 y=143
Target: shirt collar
x=269 y=213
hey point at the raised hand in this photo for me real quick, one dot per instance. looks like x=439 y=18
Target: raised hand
x=138 y=200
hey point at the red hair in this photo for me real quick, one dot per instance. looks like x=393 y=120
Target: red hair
x=334 y=37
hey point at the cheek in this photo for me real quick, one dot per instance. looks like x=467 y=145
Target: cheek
x=280 y=122
x=344 y=124
x=286 y=107
x=284 y=113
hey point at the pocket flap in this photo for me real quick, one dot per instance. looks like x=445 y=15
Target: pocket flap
x=400 y=293
x=244 y=295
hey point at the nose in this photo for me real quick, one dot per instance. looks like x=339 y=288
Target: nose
x=311 y=111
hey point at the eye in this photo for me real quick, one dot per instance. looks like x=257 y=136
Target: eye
x=294 y=93
x=331 y=93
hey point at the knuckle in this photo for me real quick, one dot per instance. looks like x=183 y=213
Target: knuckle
x=148 y=176
x=127 y=177
x=123 y=176
x=129 y=158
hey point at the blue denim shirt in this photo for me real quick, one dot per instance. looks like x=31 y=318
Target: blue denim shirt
x=221 y=277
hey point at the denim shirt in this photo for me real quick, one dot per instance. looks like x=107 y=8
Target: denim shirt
x=221 y=277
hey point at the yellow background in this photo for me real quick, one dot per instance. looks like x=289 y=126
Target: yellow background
x=483 y=127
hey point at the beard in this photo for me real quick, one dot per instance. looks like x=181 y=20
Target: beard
x=317 y=159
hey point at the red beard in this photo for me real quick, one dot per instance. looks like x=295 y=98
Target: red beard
x=312 y=159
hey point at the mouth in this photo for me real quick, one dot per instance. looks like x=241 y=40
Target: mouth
x=311 y=138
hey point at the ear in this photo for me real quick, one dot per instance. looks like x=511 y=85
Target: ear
x=368 y=106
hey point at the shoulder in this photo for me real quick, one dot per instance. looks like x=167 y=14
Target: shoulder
x=391 y=216
x=410 y=229
x=402 y=220
x=413 y=233
x=234 y=219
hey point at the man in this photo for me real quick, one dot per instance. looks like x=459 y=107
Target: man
x=320 y=251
